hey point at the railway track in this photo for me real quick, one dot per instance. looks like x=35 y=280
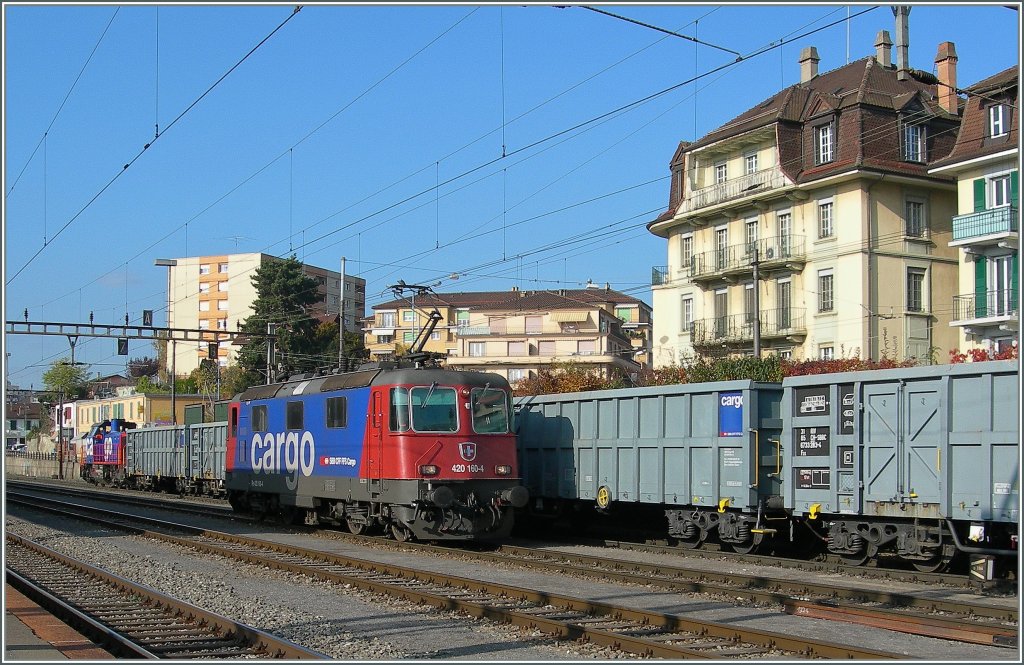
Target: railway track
x=131 y=620
x=633 y=630
x=968 y=621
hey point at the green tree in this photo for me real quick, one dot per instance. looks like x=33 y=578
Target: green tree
x=284 y=298
x=67 y=379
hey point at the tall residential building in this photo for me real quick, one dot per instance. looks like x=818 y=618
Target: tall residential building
x=217 y=293
x=986 y=164
x=823 y=192
x=516 y=333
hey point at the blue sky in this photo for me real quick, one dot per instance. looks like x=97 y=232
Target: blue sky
x=501 y=142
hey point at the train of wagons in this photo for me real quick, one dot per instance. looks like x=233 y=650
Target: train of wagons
x=919 y=464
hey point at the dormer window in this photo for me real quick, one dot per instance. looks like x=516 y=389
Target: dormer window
x=914 y=149
x=824 y=143
x=997 y=121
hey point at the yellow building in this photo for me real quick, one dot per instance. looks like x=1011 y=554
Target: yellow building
x=810 y=223
x=516 y=333
x=986 y=162
x=140 y=408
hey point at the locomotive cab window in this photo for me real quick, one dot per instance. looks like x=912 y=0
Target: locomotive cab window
x=293 y=415
x=259 y=418
x=433 y=409
x=490 y=409
x=337 y=412
x=398 y=413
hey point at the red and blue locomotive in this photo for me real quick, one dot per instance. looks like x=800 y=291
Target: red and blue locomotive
x=419 y=451
x=101 y=452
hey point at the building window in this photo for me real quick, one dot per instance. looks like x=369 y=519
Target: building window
x=204 y=305
x=915 y=219
x=462 y=319
x=534 y=324
x=387 y=320
x=408 y=316
x=477 y=349
x=222 y=305
x=748 y=303
x=222 y=267
x=222 y=286
x=721 y=248
x=825 y=302
x=516 y=374
x=914 y=149
x=586 y=347
x=825 y=226
x=222 y=324
x=385 y=339
x=997 y=120
x=785 y=221
x=546 y=347
x=204 y=324
x=750 y=164
x=517 y=349
x=824 y=143
x=999 y=191
x=915 y=289
x=204 y=287
x=825 y=353
x=625 y=314
x=721 y=173
x=435 y=336
x=786 y=354
x=408 y=337
x=686 y=251
x=204 y=269
x=751 y=229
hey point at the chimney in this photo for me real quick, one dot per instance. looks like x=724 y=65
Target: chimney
x=902 y=14
x=808 y=63
x=945 y=61
x=883 y=49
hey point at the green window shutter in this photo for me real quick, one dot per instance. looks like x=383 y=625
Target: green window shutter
x=980 y=287
x=1013 y=195
x=979 y=195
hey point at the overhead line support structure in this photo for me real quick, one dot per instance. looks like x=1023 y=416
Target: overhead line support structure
x=130 y=332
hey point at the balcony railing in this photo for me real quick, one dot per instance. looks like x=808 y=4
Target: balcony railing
x=987 y=305
x=736 y=188
x=660 y=275
x=985 y=223
x=739 y=328
x=739 y=258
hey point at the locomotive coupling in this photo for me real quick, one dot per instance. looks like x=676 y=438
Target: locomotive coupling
x=516 y=496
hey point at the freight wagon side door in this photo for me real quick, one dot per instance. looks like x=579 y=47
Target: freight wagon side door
x=924 y=434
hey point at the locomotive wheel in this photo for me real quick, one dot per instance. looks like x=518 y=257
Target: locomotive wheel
x=401 y=532
x=357 y=526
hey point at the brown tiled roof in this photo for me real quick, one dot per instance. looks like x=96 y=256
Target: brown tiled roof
x=518 y=300
x=972 y=143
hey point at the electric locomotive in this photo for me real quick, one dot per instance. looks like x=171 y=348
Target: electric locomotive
x=403 y=446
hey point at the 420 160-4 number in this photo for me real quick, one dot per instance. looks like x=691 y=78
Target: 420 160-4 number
x=471 y=468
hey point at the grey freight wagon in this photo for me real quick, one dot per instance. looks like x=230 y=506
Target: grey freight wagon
x=919 y=462
x=705 y=456
x=187 y=459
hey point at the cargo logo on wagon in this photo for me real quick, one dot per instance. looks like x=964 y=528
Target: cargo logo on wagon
x=730 y=414
x=289 y=453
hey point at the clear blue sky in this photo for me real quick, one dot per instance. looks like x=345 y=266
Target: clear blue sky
x=377 y=133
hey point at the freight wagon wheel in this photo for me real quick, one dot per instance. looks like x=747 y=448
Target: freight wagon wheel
x=357 y=526
x=937 y=562
x=692 y=542
x=750 y=546
x=857 y=559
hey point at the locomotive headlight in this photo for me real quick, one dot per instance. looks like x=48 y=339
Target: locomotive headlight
x=429 y=470
x=503 y=470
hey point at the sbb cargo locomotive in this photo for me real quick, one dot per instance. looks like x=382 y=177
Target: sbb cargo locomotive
x=918 y=463
x=422 y=452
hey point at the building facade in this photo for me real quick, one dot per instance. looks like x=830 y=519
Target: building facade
x=141 y=408
x=517 y=333
x=811 y=224
x=216 y=293
x=986 y=164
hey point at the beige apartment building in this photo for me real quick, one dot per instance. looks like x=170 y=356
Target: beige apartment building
x=516 y=333
x=812 y=222
x=140 y=408
x=986 y=164
x=216 y=293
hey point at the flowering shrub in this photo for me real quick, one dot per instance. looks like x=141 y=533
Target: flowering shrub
x=981 y=355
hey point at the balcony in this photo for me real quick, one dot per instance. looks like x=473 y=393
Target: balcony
x=750 y=185
x=986 y=227
x=990 y=309
x=736 y=261
x=779 y=323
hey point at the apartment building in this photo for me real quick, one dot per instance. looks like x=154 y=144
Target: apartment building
x=141 y=408
x=811 y=222
x=216 y=293
x=985 y=162
x=516 y=333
